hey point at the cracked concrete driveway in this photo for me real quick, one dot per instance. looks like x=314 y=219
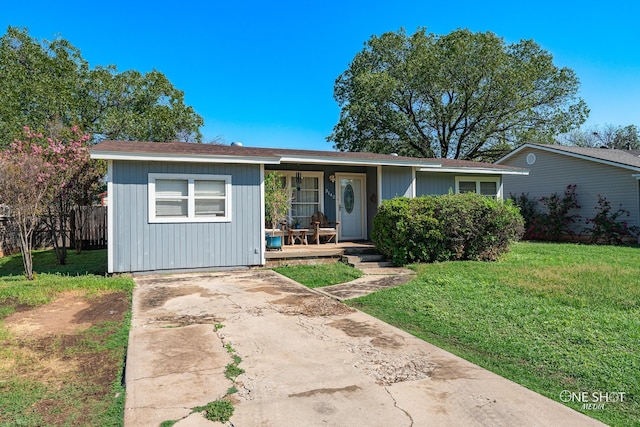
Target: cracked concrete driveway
x=308 y=359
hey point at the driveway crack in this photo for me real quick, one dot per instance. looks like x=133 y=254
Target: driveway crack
x=395 y=403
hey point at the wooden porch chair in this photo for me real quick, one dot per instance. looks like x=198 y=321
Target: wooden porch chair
x=322 y=227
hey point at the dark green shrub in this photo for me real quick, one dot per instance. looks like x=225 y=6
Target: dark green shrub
x=448 y=227
x=528 y=210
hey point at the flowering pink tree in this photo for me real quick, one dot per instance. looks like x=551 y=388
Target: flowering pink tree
x=25 y=191
x=43 y=179
x=73 y=179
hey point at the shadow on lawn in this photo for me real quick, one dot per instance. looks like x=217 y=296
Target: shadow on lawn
x=88 y=262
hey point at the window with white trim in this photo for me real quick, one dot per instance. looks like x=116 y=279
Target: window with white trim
x=307 y=195
x=486 y=186
x=189 y=198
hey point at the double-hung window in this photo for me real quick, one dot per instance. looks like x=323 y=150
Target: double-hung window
x=487 y=186
x=189 y=198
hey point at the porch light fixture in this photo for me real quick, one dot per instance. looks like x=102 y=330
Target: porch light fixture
x=298 y=177
x=332 y=178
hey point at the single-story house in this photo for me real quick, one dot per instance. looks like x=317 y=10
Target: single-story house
x=183 y=205
x=614 y=174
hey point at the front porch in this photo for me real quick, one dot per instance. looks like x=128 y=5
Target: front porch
x=315 y=254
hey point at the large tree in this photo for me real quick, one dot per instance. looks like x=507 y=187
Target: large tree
x=42 y=179
x=24 y=191
x=47 y=85
x=610 y=136
x=463 y=95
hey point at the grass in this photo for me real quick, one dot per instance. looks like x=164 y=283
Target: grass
x=62 y=379
x=551 y=317
x=82 y=272
x=88 y=262
x=319 y=275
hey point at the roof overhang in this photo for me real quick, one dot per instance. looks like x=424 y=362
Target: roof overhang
x=151 y=157
x=479 y=171
x=357 y=162
x=115 y=150
x=267 y=160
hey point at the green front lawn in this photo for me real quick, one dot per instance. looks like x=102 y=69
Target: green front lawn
x=551 y=317
x=319 y=275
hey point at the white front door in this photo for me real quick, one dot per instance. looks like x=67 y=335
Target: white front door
x=351 y=206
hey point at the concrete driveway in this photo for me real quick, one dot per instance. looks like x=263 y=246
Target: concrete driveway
x=308 y=359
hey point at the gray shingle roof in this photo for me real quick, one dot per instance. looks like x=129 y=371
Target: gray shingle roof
x=181 y=149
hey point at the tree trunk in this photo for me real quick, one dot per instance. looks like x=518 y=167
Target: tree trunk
x=56 y=223
x=25 y=247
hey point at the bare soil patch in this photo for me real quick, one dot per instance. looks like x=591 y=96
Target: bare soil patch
x=48 y=344
x=67 y=314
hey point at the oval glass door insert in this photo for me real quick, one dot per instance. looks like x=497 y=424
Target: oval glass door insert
x=348 y=198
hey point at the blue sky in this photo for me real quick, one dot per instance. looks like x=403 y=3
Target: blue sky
x=263 y=72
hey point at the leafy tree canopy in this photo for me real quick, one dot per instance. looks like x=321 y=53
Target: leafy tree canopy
x=610 y=136
x=463 y=95
x=47 y=85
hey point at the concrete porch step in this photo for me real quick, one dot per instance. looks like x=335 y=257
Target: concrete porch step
x=372 y=264
x=366 y=261
x=360 y=250
x=371 y=258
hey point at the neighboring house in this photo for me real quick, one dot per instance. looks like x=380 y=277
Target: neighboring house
x=613 y=174
x=184 y=205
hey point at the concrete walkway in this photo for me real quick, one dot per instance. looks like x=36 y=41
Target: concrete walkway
x=309 y=360
x=377 y=274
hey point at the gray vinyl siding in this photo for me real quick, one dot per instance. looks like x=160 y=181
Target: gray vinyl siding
x=435 y=183
x=142 y=246
x=553 y=172
x=396 y=182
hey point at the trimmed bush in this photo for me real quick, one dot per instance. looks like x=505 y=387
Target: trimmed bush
x=448 y=227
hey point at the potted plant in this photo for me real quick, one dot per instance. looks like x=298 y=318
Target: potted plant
x=276 y=207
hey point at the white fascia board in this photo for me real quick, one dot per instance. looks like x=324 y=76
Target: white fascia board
x=109 y=155
x=480 y=171
x=355 y=162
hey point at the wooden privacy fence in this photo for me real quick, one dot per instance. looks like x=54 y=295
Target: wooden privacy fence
x=88 y=224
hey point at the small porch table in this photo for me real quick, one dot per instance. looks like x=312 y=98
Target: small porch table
x=298 y=235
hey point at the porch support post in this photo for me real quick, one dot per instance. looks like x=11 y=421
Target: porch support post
x=263 y=236
x=379 y=177
x=413 y=183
